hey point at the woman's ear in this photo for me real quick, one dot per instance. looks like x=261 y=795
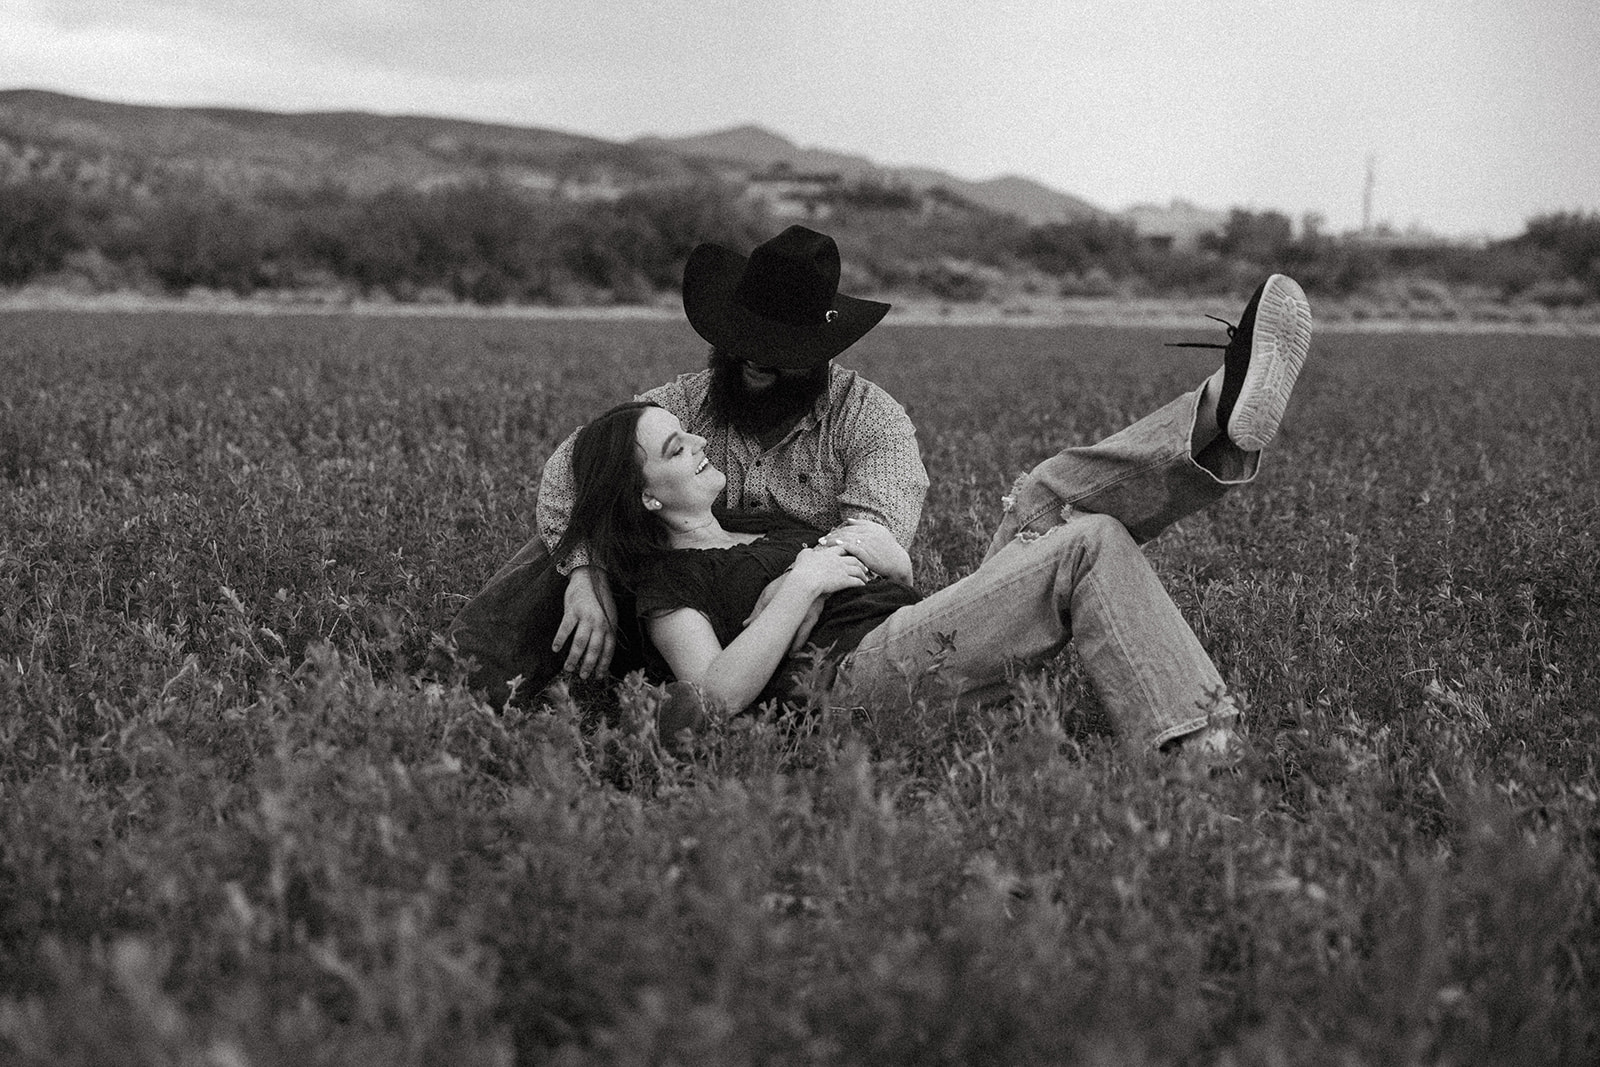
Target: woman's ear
x=651 y=503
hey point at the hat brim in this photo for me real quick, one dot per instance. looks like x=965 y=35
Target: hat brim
x=709 y=280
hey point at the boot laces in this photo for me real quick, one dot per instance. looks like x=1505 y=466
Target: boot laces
x=1232 y=329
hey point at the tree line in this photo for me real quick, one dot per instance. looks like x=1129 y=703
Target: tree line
x=488 y=242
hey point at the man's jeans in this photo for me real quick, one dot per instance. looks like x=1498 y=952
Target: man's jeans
x=1065 y=564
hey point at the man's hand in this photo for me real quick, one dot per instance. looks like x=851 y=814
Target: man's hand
x=812 y=614
x=872 y=544
x=587 y=618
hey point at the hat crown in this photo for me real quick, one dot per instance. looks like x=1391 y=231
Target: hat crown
x=792 y=279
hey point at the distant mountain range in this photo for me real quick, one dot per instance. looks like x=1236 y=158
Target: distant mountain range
x=363 y=152
x=41 y=131
x=756 y=148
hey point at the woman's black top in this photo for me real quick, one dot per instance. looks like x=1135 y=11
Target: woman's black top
x=723 y=584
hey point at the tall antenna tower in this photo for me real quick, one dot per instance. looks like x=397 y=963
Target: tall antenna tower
x=1366 y=194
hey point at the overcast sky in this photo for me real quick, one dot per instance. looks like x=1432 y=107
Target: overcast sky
x=1477 y=113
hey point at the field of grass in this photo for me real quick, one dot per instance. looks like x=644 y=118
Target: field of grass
x=238 y=826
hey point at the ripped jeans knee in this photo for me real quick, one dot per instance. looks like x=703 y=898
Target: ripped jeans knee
x=1039 y=518
x=1029 y=511
x=1040 y=527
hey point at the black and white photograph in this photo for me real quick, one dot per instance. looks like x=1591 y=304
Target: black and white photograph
x=584 y=532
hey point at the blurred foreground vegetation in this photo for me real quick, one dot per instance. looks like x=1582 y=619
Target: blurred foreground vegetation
x=238 y=826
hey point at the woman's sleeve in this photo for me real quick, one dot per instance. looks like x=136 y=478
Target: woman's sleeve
x=667 y=585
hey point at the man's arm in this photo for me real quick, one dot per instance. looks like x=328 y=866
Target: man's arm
x=553 y=509
x=588 y=609
x=884 y=479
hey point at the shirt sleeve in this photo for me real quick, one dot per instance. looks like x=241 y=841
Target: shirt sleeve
x=554 y=507
x=667 y=587
x=885 y=480
x=674 y=396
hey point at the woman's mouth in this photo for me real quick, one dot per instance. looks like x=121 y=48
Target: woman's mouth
x=702 y=465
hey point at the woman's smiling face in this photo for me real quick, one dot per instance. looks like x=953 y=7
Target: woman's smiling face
x=676 y=470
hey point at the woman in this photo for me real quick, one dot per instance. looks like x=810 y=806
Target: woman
x=644 y=508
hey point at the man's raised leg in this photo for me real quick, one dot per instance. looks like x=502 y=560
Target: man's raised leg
x=1187 y=454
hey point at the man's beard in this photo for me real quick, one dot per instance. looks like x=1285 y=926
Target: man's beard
x=775 y=408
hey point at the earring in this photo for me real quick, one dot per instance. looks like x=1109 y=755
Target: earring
x=652 y=503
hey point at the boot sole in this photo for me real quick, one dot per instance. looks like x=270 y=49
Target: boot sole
x=1278 y=347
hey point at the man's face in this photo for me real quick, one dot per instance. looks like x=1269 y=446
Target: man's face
x=756 y=399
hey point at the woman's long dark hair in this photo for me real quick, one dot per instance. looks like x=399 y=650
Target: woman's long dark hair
x=608 y=513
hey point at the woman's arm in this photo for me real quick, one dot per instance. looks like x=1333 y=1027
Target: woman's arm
x=734 y=676
x=870 y=542
x=801 y=635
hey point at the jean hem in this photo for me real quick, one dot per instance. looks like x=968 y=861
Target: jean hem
x=1199 y=722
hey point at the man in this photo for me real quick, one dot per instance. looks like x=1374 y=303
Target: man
x=794 y=432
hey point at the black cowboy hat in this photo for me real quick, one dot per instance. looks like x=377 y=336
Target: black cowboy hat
x=780 y=306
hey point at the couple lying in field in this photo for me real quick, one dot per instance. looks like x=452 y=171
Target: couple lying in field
x=753 y=519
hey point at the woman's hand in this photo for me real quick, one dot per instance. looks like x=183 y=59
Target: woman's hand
x=828 y=569
x=874 y=545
